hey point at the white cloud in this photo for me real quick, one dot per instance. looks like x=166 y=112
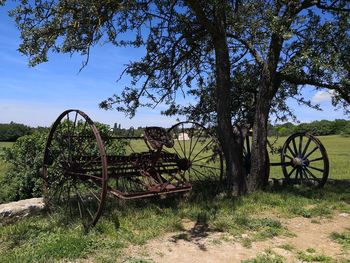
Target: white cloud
x=322 y=96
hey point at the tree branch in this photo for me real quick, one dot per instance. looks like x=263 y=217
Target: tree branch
x=201 y=16
x=343 y=90
x=250 y=47
x=331 y=7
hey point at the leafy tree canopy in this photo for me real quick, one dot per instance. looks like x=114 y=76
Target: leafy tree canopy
x=180 y=54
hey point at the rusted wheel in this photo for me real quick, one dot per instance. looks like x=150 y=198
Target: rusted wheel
x=200 y=157
x=304 y=160
x=75 y=167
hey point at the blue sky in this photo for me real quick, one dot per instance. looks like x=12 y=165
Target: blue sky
x=36 y=96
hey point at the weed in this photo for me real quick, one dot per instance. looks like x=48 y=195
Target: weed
x=267 y=256
x=287 y=247
x=305 y=257
x=342 y=238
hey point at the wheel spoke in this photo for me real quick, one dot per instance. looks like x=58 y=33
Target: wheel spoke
x=206 y=166
x=311 y=174
x=295 y=147
x=315 y=168
x=291 y=151
x=317 y=159
x=196 y=171
x=203 y=158
x=300 y=144
x=194 y=158
x=306 y=146
x=194 y=146
x=79 y=207
x=177 y=138
x=183 y=139
x=83 y=203
x=191 y=139
x=297 y=173
x=290 y=173
x=286 y=155
x=313 y=150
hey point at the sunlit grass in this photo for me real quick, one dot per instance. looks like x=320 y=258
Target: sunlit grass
x=50 y=238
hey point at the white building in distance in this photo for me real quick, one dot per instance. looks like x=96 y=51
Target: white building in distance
x=183 y=136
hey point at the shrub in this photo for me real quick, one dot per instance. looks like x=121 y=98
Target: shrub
x=23 y=179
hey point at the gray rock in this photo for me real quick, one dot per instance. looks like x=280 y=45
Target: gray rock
x=13 y=211
x=344 y=214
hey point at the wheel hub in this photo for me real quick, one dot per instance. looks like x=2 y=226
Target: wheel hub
x=299 y=162
x=184 y=164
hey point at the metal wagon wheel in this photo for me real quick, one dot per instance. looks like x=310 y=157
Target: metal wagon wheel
x=304 y=160
x=75 y=167
x=200 y=156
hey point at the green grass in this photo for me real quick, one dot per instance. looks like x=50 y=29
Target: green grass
x=310 y=255
x=342 y=238
x=267 y=256
x=48 y=237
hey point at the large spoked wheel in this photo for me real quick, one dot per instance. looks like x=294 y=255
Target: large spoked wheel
x=304 y=160
x=200 y=157
x=75 y=168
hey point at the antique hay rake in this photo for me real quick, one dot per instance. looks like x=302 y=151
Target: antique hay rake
x=84 y=161
x=82 y=164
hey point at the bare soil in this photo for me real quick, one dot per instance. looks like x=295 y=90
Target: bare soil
x=198 y=243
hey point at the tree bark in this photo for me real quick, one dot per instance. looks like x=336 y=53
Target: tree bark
x=231 y=144
x=270 y=83
x=259 y=167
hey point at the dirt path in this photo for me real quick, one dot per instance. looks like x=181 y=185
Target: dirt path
x=199 y=244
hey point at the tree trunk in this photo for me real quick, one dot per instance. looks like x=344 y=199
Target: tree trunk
x=270 y=83
x=259 y=166
x=232 y=145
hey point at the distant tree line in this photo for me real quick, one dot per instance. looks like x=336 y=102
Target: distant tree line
x=323 y=127
x=119 y=131
x=10 y=132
